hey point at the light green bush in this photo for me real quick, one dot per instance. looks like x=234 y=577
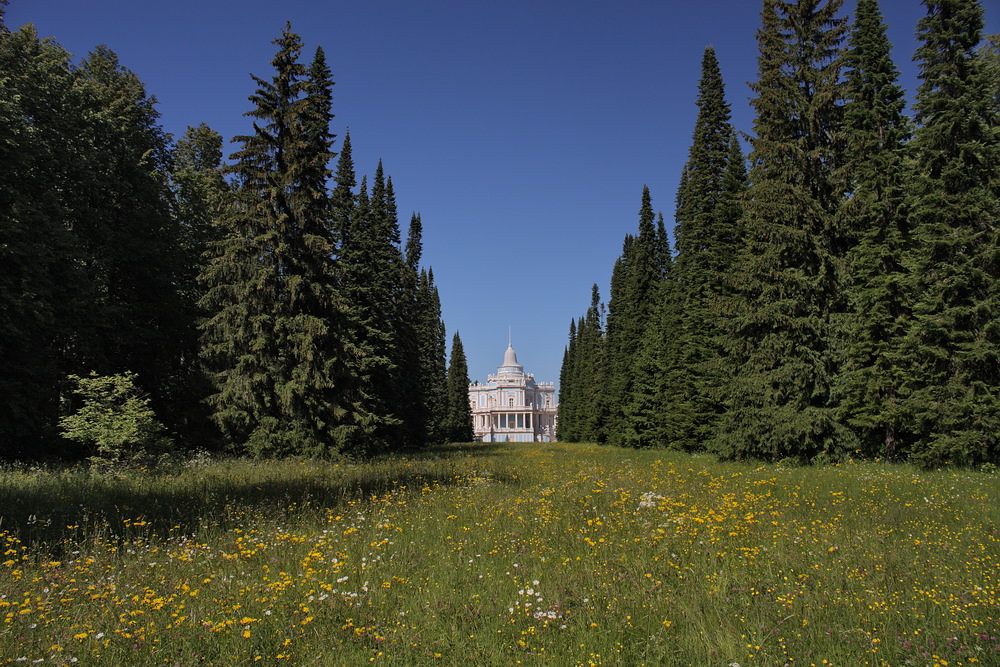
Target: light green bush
x=115 y=421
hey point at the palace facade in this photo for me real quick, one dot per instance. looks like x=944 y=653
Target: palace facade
x=512 y=407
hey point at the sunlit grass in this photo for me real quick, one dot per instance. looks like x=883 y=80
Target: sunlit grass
x=502 y=554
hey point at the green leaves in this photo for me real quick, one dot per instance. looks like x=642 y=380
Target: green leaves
x=114 y=421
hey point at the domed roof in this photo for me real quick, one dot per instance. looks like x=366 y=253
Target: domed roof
x=510 y=357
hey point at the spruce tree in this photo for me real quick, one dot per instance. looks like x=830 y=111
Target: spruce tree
x=778 y=403
x=418 y=330
x=459 y=422
x=278 y=334
x=874 y=217
x=590 y=378
x=343 y=201
x=654 y=411
x=566 y=424
x=629 y=311
x=369 y=272
x=952 y=387
x=432 y=356
x=705 y=228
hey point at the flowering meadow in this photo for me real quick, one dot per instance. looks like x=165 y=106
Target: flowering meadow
x=498 y=555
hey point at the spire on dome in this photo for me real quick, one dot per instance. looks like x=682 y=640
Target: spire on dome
x=510 y=357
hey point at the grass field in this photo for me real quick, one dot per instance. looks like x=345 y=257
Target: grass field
x=501 y=554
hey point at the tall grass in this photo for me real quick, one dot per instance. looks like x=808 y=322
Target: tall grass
x=502 y=554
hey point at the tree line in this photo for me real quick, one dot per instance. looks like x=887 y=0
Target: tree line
x=833 y=293
x=266 y=303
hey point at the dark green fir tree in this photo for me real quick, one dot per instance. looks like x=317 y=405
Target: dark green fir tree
x=654 y=413
x=458 y=427
x=952 y=388
x=433 y=358
x=779 y=340
x=635 y=285
x=706 y=226
x=369 y=270
x=874 y=216
x=278 y=335
x=566 y=425
x=589 y=376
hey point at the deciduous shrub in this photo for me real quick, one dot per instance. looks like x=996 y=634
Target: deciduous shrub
x=114 y=422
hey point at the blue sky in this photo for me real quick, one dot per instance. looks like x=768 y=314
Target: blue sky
x=522 y=131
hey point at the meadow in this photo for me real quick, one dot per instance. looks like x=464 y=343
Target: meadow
x=498 y=555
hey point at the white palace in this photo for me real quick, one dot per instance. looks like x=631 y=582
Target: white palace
x=512 y=407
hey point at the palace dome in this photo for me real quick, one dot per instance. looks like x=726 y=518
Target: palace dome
x=510 y=357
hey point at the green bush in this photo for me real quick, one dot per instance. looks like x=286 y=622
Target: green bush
x=114 y=422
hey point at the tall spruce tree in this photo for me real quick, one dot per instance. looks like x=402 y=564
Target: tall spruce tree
x=589 y=373
x=705 y=228
x=653 y=411
x=582 y=389
x=778 y=403
x=459 y=421
x=874 y=217
x=278 y=334
x=432 y=356
x=629 y=312
x=566 y=424
x=368 y=267
x=952 y=388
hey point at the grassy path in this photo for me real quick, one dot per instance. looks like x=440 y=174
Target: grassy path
x=498 y=555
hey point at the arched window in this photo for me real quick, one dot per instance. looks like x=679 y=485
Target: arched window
x=511 y=401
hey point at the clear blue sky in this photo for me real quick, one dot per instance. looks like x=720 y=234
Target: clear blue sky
x=522 y=131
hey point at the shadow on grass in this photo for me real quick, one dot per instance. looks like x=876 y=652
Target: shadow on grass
x=59 y=508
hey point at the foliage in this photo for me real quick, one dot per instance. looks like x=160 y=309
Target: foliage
x=87 y=238
x=874 y=216
x=279 y=337
x=778 y=401
x=640 y=270
x=458 y=427
x=114 y=423
x=952 y=383
x=708 y=241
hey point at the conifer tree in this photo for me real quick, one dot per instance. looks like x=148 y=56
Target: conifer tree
x=874 y=217
x=368 y=267
x=989 y=53
x=634 y=284
x=278 y=337
x=566 y=425
x=590 y=377
x=432 y=357
x=459 y=425
x=705 y=227
x=343 y=201
x=582 y=389
x=654 y=410
x=778 y=403
x=952 y=388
